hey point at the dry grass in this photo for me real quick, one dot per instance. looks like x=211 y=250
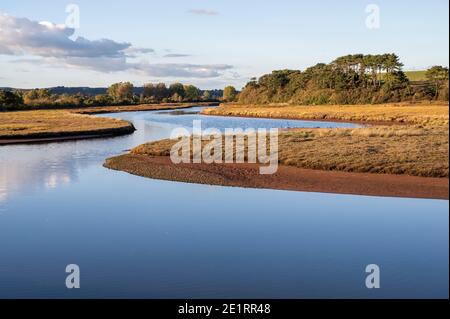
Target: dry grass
x=435 y=114
x=385 y=149
x=73 y=122
x=391 y=150
x=56 y=123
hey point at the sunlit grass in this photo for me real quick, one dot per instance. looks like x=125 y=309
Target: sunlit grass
x=417 y=142
x=44 y=123
x=435 y=114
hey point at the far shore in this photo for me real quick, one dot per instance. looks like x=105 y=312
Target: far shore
x=140 y=108
x=287 y=178
x=435 y=113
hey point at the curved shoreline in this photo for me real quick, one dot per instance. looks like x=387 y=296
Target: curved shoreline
x=127 y=128
x=287 y=178
x=67 y=136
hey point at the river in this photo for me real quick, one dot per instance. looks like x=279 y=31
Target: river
x=134 y=237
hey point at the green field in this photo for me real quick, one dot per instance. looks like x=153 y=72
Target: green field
x=413 y=76
x=416 y=75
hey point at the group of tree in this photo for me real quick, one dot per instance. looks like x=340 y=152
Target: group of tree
x=123 y=93
x=351 y=79
x=176 y=92
x=438 y=76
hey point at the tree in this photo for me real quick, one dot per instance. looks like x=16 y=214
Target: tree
x=391 y=63
x=10 y=100
x=35 y=95
x=192 y=93
x=350 y=79
x=161 y=92
x=149 y=90
x=121 y=92
x=177 y=88
x=102 y=99
x=229 y=94
x=176 y=98
x=206 y=96
x=438 y=75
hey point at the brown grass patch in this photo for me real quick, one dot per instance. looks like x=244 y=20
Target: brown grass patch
x=434 y=114
x=391 y=150
x=57 y=123
x=25 y=125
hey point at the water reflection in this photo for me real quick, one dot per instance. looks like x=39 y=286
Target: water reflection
x=27 y=168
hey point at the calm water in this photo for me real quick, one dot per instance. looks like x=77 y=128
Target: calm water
x=139 y=238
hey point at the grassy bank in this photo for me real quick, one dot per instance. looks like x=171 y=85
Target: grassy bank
x=435 y=114
x=51 y=125
x=56 y=123
x=407 y=158
x=385 y=149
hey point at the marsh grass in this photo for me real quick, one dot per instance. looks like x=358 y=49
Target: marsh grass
x=54 y=123
x=390 y=150
x=68 y=122
x=430 y=114
x=416 y=141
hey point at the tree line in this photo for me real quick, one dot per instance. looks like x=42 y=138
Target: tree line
x=350 y=79
x=122 y=93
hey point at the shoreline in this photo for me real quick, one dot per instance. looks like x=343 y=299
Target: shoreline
x=51 y=137
x=140 y=108
x=128 y=128
x=326 y=120
x=62 y=138
x=287 y=178
x=366 y=115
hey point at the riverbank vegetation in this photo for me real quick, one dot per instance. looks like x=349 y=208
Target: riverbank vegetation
x=396 y=150
x=18 y=126
x=351 y=79
x=435 y=113
x=118 y=94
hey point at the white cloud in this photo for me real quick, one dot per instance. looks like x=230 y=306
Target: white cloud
x=183 y=70
x=22 y=36
x=52 y=45
x=204 y=12
x=176 y=55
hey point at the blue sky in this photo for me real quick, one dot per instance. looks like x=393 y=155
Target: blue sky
x=210 y=43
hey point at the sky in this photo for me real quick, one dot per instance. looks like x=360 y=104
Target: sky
x=210 y=44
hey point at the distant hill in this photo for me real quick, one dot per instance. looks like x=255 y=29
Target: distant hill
x=66 y=90
x=77 y=90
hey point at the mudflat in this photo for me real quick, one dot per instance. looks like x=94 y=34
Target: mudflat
x=287 y=178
